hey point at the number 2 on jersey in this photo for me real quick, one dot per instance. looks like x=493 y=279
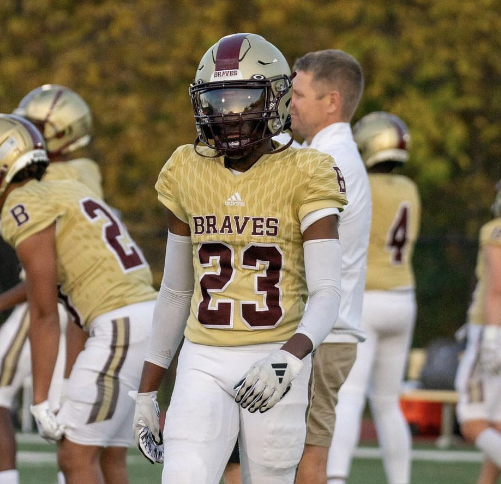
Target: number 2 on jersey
x=129 y=257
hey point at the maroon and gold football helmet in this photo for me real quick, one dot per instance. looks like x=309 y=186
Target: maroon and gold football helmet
x=381 y=136
x=241 y=94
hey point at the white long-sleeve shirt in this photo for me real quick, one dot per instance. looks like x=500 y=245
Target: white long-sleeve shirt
x=354 y=229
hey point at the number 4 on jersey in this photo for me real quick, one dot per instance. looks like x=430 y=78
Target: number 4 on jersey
x=397 y=236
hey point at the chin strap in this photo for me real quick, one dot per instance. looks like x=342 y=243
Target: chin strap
x=219 y=153
x=284 y=147
x=198 y=142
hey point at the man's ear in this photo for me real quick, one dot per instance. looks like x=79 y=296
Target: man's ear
x=335 y=103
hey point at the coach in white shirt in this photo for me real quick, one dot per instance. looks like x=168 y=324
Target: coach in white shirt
x=327 y=89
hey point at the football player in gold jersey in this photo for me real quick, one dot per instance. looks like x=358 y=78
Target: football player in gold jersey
x=389 y=306
x=65 y=121
x=478 y=379
x=72 y=247
x=252 y=236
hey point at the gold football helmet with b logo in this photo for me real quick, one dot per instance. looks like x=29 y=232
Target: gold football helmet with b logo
x=61 y=115
x=381 y=136
x=21 y=144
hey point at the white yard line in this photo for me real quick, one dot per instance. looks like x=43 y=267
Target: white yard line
x=426 y=455
x=437 y=455
x=35 y=458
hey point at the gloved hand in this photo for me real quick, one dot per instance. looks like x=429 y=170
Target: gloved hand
x=47 y=425
x=267 y=381
x=146 y=426
x=490 y=349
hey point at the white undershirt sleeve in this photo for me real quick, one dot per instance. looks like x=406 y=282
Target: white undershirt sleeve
x=322 y=261
x=312 y=217
x=172 y=307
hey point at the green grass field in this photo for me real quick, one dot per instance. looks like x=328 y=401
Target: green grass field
x=459 y=465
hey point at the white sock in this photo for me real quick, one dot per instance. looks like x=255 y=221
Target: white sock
x=60 y=478
x=9 y=477
x=336 y=481
x=489 y=441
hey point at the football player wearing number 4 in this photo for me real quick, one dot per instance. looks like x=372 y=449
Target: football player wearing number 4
x=252 y=235
x=389 y=305
x=71 y=245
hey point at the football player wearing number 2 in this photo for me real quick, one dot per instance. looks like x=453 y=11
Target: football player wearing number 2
x=73 y=248
x=252 y=235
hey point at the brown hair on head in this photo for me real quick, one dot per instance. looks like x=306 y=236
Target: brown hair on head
x=336 y=70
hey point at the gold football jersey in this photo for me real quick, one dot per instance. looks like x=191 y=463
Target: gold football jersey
x=490 y=234
x=99 y=266
x=250 y=283
x=396 y=215
x=82 y=169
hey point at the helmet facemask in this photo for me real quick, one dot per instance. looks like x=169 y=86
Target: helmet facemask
x=232 y=116
x=241 y=96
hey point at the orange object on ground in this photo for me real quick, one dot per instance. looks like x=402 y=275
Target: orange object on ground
x=424 y=418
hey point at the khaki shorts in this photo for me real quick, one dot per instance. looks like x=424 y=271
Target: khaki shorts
x=331 y=364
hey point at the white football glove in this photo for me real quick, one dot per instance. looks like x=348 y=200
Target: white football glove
x=490 y=349
x=267 y=381
x=146 y=426
x=47 y=425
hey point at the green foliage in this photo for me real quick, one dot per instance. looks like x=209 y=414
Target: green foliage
x=434 y=64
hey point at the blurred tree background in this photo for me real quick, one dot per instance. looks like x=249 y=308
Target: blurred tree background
x=434 y=63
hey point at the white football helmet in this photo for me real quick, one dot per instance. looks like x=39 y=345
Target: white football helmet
x=241 y=94
x=382 y=136
x=60 y=114
x=21 y=144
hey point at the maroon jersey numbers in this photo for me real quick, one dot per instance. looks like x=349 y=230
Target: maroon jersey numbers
x=265 y=260
x=397 y=237
x=129 y=257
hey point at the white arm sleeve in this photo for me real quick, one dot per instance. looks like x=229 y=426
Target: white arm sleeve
x=312 y=217
x=322 y=261
x=173 y=303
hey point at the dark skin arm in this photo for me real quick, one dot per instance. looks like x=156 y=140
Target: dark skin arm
x=37 y=254
x=13 y=296
x=76 y=338
x=492 y=303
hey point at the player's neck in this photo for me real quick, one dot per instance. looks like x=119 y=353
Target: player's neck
x=58 y=158
x=11 y=187
x=245 y=162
